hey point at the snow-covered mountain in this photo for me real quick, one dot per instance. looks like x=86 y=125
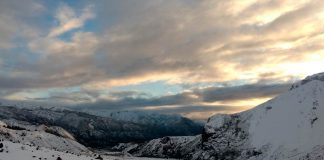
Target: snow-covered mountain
x=142 y=117
x=21 y=140
x=290 y=126
x=168 y=124
x=97 y=131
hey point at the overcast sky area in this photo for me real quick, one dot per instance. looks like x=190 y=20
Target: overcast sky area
x=194 y=58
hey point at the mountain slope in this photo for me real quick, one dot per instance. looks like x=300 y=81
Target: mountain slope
x=166 y=124
x=17 y=151
x=290 y=126
x=96 y=131
x=40 y=136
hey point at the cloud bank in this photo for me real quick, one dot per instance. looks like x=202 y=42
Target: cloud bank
x=83 y=53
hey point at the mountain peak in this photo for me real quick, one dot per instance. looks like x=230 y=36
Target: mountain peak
x=318 y=77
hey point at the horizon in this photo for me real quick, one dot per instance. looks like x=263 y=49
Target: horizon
x=193 y=58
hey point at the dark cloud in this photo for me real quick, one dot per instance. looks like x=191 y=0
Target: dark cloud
x=197 y=96
x=194 y=109
x=122 y=94
x=137 y=102
x=241 y=92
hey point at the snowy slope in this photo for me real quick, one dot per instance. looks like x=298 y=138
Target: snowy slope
x=290 y=126
x=16 y=151
x=294 y=125
x=41 y=136
x=20 y=140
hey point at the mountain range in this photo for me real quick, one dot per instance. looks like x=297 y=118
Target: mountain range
x=287 y=127
x=101 y=132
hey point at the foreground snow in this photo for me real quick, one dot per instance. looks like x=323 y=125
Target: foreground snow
x=17 y=151
x=23 y=141
x=42 y=136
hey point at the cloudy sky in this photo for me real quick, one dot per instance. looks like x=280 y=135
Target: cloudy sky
x=195 y=58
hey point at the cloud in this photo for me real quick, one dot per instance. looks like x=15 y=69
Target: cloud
x=12 y=25
x=196 y=97
x=163 y=41
x=212 y=94
x=68 y=19
x=257 y=47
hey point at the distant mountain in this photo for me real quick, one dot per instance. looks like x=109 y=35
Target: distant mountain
x=166 y=124
x=290 y=126
x=100 y=132
x=20 y=140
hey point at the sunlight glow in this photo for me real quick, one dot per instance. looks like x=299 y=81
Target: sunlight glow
x=312 y=66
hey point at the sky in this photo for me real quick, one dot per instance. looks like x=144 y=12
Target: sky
x=194 y=58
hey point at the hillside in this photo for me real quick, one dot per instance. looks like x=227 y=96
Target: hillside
x=100 y=132
x=17 y=151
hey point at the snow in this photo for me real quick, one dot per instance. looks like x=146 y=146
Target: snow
x=293 y=122
x=97 y=131
x=163 y=147
x=318 y=77
x=289 y=120
x=16 y=151
x=2 y=124
x=23 y=141
x=215 y=122
x=40 y=136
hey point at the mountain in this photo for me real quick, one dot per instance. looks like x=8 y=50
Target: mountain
x=165 y=124
x=100 y=132
x=289 y=126
x=21 y=140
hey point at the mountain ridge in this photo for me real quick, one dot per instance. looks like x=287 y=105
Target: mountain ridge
x=96 y=131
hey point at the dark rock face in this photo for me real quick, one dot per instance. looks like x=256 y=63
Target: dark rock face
x=167 y=147
x=95 y=131
x=226 y=142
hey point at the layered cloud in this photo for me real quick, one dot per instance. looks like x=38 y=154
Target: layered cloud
x=257 y=47
x=200 y=100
